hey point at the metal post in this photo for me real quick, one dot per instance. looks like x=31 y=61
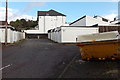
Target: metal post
x=6 y=16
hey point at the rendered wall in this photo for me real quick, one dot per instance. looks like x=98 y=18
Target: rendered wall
x=112 y=35
x=89 y=21
x=33 y=32
x=50 y=22
x=81 y=22
x=92 y=21
x=69 y=34
x=12 y=36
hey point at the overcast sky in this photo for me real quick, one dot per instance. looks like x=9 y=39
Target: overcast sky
x=73 y=10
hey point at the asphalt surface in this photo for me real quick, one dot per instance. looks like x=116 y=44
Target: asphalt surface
x=36 y=58
x=42 y=58
x=93 y=69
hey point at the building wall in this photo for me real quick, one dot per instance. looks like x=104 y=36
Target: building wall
x=69 y=34
x=49 y=22
x=81 y=22
x=92 y=21
x=59 y=39
x=33 y=32
x=2 y=35
x=89 y=21
x=115 y=22
x=112 y=35
x=41 y=23
x=12 y=36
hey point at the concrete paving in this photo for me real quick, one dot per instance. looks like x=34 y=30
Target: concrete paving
x=42 y=58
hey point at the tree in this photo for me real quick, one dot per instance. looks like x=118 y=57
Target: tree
x=22 y=24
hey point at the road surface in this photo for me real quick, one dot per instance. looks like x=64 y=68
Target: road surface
x=36 y=58
x=42 y=58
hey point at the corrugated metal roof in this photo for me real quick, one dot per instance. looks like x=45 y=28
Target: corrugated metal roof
x=50 y=13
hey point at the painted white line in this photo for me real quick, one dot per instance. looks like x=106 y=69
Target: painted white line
x=5 y=67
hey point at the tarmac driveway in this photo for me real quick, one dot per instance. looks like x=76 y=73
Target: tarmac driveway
x=42 y=58
x=36 y=58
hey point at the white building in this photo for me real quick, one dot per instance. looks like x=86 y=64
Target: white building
x=90 y=21
x=83 y=26
x=68 y=34
x=50 y=19
x=115 y=22
x=12 y=34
